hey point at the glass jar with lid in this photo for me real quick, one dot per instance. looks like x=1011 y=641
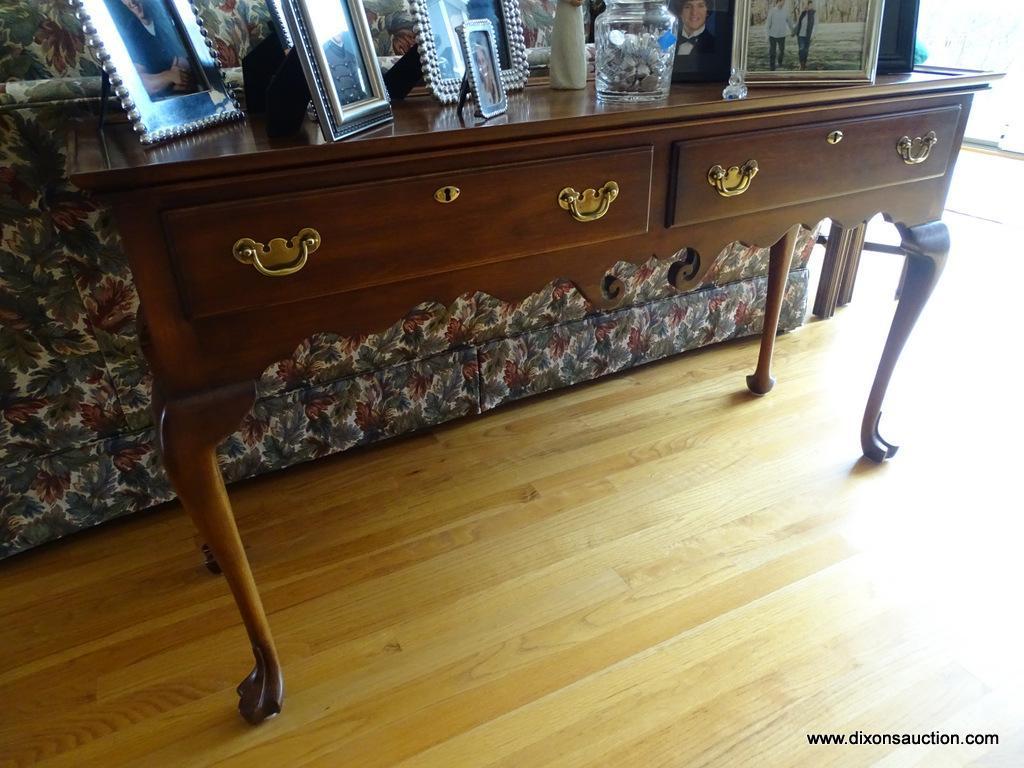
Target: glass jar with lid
x=635 y=44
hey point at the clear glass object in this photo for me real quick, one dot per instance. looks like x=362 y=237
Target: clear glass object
x=736 y=89
x=635 y=42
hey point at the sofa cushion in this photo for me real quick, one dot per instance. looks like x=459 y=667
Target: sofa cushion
x=55 y=391
x=50 y=496
x=47 y=497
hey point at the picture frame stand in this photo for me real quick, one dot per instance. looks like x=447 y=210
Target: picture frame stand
x=287 y=96
x=404 y=75
x=258 y=68
x=463 y=93
x=104 y=98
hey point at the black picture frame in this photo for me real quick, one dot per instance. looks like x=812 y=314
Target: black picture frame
x=701 y=66
x=899 y=37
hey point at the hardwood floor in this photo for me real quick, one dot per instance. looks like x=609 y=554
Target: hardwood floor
x=656 y=569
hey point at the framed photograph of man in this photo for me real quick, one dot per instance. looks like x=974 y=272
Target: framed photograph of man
x=807 y=41
x=332 y=41
x=480 y=52
x=704 y=45
x=436 y=23
x=160 y=65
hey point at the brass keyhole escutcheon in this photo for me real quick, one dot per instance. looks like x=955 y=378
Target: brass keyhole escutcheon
x=447 y=194
x=835 y=137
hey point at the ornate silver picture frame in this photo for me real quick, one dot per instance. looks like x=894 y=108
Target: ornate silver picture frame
x=333 y=43
x=436 y=24
x=479 y=50
x=807 y=42
x=161 y=64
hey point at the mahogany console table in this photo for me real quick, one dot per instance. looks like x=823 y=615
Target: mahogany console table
x=242 y=246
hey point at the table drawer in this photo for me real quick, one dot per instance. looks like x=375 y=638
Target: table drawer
x=796 y=165
x=393 y=230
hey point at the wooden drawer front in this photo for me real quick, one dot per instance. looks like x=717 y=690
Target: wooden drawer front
x=797 y=165
x=388 y=231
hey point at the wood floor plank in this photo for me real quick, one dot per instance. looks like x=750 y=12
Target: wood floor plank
x=668 y=680
x=764 y=721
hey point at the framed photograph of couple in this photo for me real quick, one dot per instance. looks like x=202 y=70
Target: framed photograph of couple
x=160 y=65
x=704 y=41
x=809 y=42
x=333 y=44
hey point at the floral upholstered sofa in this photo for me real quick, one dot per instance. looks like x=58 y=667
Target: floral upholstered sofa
x=76 y=435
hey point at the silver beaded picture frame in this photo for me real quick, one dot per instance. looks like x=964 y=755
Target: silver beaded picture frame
x=477 y=40
x=161 y=104
x=333 y=43
x=436 y=24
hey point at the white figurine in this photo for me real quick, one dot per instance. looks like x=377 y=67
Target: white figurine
x=567 y=63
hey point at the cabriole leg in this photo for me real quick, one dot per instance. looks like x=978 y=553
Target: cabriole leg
x=762 y=381
x=190 y=430
x=927 y=247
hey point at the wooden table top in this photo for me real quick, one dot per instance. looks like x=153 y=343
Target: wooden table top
x=116 y=160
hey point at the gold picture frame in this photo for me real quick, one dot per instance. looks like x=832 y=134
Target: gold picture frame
x=839 y=48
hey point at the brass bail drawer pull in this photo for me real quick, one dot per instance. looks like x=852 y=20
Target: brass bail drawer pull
x=732 y=182
x=281 y=257
x=915 y=151
x=589 y=205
